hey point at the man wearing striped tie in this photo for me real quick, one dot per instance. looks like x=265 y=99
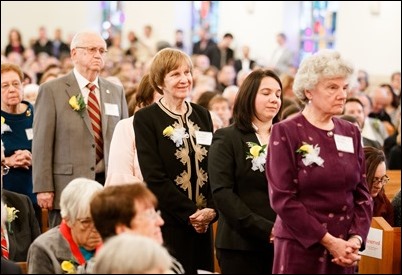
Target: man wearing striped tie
x=74 y=121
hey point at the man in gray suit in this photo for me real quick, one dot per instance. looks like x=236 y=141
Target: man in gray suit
x=282 y=57
x=64 y=146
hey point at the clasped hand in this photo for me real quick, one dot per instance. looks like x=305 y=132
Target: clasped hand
x=201 y=218
x=345 y=253
x=20 y=159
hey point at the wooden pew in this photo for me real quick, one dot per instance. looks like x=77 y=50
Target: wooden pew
x=23 y=266
x=216 y=264
x=394 y=184
x=390 y=262
x=396 y=265
x=45 y=220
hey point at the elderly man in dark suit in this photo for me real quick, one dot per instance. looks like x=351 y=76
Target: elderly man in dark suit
x=24 y=229
x=7 y=267
x=74 y=121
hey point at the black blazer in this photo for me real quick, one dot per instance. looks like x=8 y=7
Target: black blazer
x=238 y=65
x=211 y=50
x=8 y=267
x=240 y=194
x=24 y=229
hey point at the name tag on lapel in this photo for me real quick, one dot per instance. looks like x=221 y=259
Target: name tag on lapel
x=344 y=143
x=111 y=109
x=203 y=137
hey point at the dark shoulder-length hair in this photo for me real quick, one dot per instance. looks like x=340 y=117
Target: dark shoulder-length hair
x=244 y=106
x=374 y=157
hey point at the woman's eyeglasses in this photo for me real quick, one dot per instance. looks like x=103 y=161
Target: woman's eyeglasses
x=383 y=180
x=4 y=169
x=151 y=214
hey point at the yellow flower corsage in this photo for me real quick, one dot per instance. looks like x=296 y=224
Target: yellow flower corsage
x=77 y=103
x=68 y=267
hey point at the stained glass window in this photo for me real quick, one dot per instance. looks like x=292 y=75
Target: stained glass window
x=112 y=18
x=317 y=26
x=205 y=15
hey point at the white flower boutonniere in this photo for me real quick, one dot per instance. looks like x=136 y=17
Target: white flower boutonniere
x=258 y=156
x=4 y=126
x=176 y=134
x=11 y=216
x=77 y=103
x=310 y=154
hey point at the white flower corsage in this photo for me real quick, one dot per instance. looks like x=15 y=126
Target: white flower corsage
x=310 y=154
x=11 y=216
x=4 y=126
x=258 y=156
x=176 y=134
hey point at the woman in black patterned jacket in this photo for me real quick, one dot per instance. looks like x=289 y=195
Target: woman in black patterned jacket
x=173 y=137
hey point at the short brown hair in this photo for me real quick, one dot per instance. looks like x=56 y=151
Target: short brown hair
x=115 y=205
x=165 y=61
x=10 y=67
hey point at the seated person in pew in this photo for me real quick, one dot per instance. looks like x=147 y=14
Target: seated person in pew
x=7 y=266
x=376 y=179
x=21 y=226
x=396 y=203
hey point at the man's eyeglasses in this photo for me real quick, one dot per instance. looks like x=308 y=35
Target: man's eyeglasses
x=383 y=180
x=4 y=169
x=93 y=50
x=86 y=223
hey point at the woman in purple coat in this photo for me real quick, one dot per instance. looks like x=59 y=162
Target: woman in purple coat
x=316 y=175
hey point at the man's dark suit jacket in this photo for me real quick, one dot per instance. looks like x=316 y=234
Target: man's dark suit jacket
x=8 y=267
x=239 y=66
x=24 y=229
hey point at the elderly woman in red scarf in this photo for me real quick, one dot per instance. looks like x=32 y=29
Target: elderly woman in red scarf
x=64 y=248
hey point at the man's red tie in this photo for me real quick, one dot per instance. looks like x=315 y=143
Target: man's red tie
x=95 y=116
x=4 y=248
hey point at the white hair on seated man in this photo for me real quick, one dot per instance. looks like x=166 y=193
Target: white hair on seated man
x=132 y=254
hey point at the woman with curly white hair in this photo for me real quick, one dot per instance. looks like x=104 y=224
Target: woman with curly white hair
x=316 y=176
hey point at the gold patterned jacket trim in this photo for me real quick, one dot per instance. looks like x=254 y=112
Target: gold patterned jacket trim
x=182 y=154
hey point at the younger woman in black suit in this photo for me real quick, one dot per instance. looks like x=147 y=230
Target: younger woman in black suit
x=236 y=165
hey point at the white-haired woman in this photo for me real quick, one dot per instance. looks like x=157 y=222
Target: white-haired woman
x=132 y=254
x=71 y=244
x=316 y=176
